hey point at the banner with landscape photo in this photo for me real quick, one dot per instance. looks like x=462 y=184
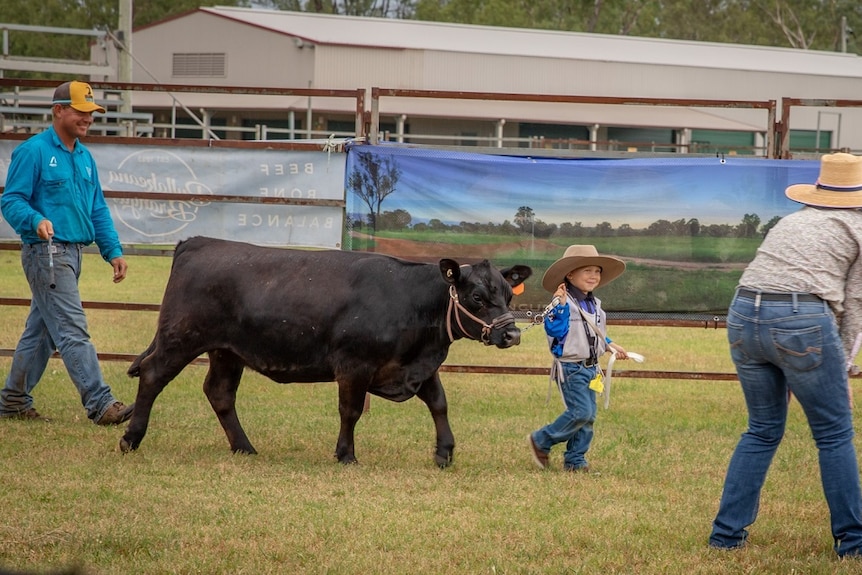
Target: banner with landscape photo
x=686 y=227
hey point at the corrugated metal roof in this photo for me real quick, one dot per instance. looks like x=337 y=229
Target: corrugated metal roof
x=327 y=29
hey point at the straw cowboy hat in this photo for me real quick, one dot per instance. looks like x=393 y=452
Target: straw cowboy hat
x=578 y=257
x=839 y=184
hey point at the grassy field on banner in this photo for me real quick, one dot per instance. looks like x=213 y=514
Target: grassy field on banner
x=664 y=274
x=184 y=504
x=666 y=248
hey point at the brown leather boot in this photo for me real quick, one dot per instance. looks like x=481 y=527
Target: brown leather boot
x=540 y=458
x=116 y=414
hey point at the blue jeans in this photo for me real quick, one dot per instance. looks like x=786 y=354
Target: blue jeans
x=575 y=425
x=56 y=321
x=780 y=347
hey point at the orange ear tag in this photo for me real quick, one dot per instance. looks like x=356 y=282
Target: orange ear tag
x=518 y=289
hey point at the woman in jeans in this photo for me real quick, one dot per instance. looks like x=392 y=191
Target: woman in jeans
x=792 y=327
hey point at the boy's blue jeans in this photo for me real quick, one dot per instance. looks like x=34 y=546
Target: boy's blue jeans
x=575 y=425
x=780 y=347
x=56 y=321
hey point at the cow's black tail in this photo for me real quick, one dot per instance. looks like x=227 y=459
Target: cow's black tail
x=135 y=369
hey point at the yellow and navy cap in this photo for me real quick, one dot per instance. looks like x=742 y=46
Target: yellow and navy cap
x=78 y=95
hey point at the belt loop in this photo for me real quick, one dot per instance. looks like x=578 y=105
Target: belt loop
x=795 y=302
x=757 y=300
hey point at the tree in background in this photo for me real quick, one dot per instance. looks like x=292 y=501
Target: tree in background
x=764 y=229
x=380 y=8
x=749 y=226
x=809 y=24
x=373 y=181
x=398 y=219
x=525 y=219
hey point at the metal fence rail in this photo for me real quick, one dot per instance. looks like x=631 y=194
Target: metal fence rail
x=479 y=369
x=769 y=106
x=16 y=96
x=787 y=105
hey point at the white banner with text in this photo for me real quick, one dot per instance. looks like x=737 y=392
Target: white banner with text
x=275 y=197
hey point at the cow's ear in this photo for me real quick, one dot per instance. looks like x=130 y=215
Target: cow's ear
x=516 y=275
x=451 y=270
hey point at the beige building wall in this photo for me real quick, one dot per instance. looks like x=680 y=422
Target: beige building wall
x=254 y=57
x=301 y=50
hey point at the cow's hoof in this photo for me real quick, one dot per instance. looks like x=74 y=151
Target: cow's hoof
x=443 y=461
x=126 y=446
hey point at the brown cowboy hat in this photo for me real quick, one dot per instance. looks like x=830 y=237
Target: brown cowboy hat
x=578 y=257
x=838 y=186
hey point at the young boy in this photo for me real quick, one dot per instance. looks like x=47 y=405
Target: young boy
x=577 y=338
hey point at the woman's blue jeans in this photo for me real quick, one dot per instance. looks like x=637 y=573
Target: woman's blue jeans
x=56 y=321
x=780 y=347
x=575 y=425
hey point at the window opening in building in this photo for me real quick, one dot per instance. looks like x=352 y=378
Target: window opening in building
x=209 y=64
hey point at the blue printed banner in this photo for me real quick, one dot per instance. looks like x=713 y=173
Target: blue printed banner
x=686 y=227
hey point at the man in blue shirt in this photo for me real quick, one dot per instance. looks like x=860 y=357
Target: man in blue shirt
x=54 y=201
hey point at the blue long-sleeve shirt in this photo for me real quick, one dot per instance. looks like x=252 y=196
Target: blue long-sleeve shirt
x=570 y=345
x=47 y=181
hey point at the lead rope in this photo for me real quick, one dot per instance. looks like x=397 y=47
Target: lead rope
x=540 y=317
x=609 y=374
x=606 y=392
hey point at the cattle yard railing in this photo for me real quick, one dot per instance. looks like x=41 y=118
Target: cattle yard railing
x=477 y=369
x=25 y=107
x=787 y=105
x=769 y=106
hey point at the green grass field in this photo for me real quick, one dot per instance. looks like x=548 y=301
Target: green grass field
x=663 y=274
x=184 y=504
x=670 y=248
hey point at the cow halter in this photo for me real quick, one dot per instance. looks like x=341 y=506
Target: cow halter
x=455 y=307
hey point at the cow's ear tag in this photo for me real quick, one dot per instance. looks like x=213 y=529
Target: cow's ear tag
x=518 y=289
x=449 y=273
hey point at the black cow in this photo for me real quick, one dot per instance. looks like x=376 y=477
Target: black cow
x=371 y=322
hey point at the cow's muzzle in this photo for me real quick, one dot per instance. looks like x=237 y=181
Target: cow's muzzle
x=502 y=326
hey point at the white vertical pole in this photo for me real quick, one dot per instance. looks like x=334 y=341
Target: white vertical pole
x=124 y=55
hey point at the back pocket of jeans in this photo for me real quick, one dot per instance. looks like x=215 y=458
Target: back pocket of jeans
x=799 y=349
x=734 y=338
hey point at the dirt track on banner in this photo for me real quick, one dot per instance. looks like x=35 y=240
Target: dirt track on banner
x=430 y=252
